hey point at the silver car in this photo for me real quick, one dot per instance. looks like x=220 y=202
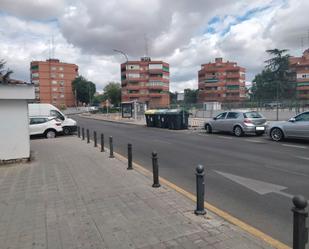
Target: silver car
x=296 y=127
x=238 y=122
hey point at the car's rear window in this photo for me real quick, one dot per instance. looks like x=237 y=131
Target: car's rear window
x=252 y=115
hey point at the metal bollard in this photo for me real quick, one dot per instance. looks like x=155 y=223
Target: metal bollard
x=111 y=147
x=130 y=157
x=300 y=231
x=95 y=139
x=155 y=168
x=102 y=142
x=78 y=131
x=200 y=190
x=83 y=133
x=88 y=138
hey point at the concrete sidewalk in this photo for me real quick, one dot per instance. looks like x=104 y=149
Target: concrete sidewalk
x=73 y=196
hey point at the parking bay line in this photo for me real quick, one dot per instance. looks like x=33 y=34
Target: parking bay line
x=254 y=141
x=225 y=137
x=295 y=146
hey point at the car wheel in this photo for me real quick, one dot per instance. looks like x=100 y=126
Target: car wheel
x=238 y=132
x=276 y=134
x=50 y=134
x=66 y=130
x=208 y=129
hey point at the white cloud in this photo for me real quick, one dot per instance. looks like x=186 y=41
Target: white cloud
x=86 y=32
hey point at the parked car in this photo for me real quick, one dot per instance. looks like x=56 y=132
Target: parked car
x=238 y=122
x=68 y=124
x=296 y=127
x=47 y=126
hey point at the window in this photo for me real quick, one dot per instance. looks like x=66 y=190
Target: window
x=302 y=117
x=252 y=115
x=38 y=120
x=56 y=114
x=132 y=67
x=232 y=115
x=221 y=116
x=55 y=89
x=61 y=96
x=54 y=82
x=36 y=82
x=61 y=75
x=61 y=68
x=35 y=67
x=35 y=75
x=155 y=66
x=61 y=82
x=53 y=75
x=133 y=75
x=53 y=68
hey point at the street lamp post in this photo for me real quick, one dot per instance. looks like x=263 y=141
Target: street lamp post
x=121 y=52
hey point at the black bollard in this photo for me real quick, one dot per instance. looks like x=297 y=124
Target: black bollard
x=155 y=168
x=102 y=142
x=83 y=133
x=130 y=157
x=111 y=147
x=78 y=131
x=300 y=231
x=200 y=190
x=95 y=139
x=88 y=138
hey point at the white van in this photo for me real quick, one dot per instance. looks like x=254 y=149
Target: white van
x=68 y=124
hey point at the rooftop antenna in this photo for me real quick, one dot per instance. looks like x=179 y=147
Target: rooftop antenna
x=52 y=47
x=308 y=37
x=302 y=43
x=49 y=49
x=146 y=45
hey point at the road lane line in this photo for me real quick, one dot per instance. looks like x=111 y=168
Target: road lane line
x=295 y=146
x=254 y=141
x=303 y=157
x=233 y=220
x=225 y=137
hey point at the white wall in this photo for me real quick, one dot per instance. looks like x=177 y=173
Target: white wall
x=22 y=91
x=14 y=129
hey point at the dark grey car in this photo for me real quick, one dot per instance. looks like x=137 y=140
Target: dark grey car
x=238 y=123
x=296 y=127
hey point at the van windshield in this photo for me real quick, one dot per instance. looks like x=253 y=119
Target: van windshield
x=252 y=115
x=56 y=114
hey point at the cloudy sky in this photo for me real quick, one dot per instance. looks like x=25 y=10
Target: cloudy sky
x=181 y=32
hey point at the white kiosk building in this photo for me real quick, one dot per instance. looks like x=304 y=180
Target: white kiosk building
x=14 y=126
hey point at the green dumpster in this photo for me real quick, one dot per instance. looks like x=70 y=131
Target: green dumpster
x=150 y=118
x=177 y=119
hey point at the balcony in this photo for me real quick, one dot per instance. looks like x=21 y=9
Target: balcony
x=303 y=96
x=233 y=76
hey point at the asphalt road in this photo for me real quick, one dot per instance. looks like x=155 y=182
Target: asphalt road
x=252 y=178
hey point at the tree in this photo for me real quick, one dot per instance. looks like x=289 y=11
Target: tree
x=84 y=89
x=190 y=96
x=4 y=73
x=274 y=81
x=173 y=97
x=112 y=92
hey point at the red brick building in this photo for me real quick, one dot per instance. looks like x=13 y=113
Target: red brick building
x=53 y=82
x=300 y=67
x=221 y=82
x=146 y=81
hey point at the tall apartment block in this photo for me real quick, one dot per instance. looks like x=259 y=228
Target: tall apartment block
x=146 y=81
x=53 y=82
x=300 y=67
x=221 y=82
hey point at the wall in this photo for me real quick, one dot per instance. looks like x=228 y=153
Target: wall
x=14 y=129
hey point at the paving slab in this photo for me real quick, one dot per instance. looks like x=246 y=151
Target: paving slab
x=71 y=195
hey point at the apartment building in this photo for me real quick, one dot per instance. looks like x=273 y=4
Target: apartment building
x=145 y=81
x=300 y=67
x=53 y=82
x=221 y=82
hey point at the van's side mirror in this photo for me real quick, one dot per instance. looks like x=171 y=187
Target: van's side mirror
x=292 y=120
x=215 y=118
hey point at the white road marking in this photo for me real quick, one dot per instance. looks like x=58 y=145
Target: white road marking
x=254 y=141
x=295 y=146
x=225 y=137
x=303 y=157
